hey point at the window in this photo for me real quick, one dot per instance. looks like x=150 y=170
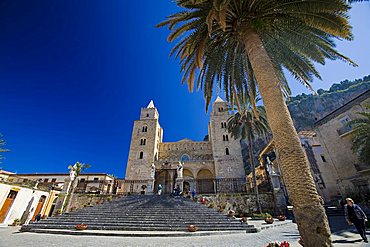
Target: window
x=185 y=157
x=82 y=180
x=46 y=180
x=345 y=120
x=53 y=180
x=229 y=169
x=142 y=142
x=147 y=115
x=223 y=125
x=145 y=129
x=227 y=151
x=96 y=179
x=225 y=138
x=141 y=155
x=220 y=109
x=323 y=158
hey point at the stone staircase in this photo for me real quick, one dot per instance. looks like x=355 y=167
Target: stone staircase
x=144 y=213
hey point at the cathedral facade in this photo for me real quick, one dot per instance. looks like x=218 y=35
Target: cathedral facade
x=204 y=164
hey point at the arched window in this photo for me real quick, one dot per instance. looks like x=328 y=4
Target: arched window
x=141 y=155
x=142 y=142
x=185 y=157
x=223 y=125
x=145 y=129
x=223 y=137
x=227 y=151
x=227 y=137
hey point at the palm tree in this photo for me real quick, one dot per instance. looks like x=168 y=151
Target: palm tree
x=228 y=42
x=74 y=172
x=248 y=125
x=361 y=135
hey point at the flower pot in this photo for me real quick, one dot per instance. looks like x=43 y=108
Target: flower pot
x=81 y=227
x=269 y=220
x=192 y=228
x=281 y=218
x=231 y=213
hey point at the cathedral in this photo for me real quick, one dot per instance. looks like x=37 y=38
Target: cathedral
x=210 y=166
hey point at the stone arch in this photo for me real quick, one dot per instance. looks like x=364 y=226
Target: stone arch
x=187 y=173
x=189 y=183
x=204 y=174
x=205 y=181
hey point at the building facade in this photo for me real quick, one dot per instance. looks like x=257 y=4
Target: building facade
x=204 y=166
x=18 y=203
x=87 y=182
x=335 y=135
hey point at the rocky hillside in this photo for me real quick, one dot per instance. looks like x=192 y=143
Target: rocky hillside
x=306 y=109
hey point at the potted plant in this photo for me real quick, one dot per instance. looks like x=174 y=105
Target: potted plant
x=231 y=213
x=192 y=228
x=16 y=222
x=269 y=219
x=278 y=244
x=81 y=227
x=281 y=217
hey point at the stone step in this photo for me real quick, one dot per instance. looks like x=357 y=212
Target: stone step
x=144 y=213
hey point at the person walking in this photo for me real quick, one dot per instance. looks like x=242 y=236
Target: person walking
x=355 y=216
x=159 y=189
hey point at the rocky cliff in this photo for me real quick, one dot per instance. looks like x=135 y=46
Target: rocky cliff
x=306 y=109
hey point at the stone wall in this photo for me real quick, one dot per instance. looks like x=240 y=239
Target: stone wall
x=246 y=203
x=81 y=200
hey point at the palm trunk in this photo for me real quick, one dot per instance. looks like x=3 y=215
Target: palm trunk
x=254 y=174
x=308 y=209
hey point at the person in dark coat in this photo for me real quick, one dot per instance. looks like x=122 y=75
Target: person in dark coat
x=355 y=215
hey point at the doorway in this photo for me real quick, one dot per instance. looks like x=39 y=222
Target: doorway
x=40 y=204
x=7 y=205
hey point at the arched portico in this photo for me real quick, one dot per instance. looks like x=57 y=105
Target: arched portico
x=205 y=182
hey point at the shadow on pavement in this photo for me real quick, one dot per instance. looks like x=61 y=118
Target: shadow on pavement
x=345 y=241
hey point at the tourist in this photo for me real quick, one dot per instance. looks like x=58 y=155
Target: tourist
x=193 y=193
x=38 y=217
x=355 y=216
x=159 y=189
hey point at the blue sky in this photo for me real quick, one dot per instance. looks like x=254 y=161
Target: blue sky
x=74 y=75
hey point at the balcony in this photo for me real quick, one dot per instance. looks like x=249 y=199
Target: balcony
x=344 y=130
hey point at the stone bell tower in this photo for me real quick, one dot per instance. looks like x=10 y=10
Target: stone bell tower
x=226 y=150
x=146 y=136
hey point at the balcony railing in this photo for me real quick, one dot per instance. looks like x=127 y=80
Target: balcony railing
x=344 y=130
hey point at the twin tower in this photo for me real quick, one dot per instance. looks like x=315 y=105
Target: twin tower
x=217 y=158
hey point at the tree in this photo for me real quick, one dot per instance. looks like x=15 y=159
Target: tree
x=232 y=42
x=361 y=135
x=74 y=172
x=248 y=124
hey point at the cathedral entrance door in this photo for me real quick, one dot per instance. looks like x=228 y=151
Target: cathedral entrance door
x=165 y=177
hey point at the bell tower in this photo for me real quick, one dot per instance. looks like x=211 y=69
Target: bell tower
x=146 y=136
x=226 y=150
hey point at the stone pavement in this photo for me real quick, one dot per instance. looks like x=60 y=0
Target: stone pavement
x=10 y=237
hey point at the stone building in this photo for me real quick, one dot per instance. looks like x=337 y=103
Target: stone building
x=208 y=166
x=21 y=203
x=335 y=135
x=101 y=183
